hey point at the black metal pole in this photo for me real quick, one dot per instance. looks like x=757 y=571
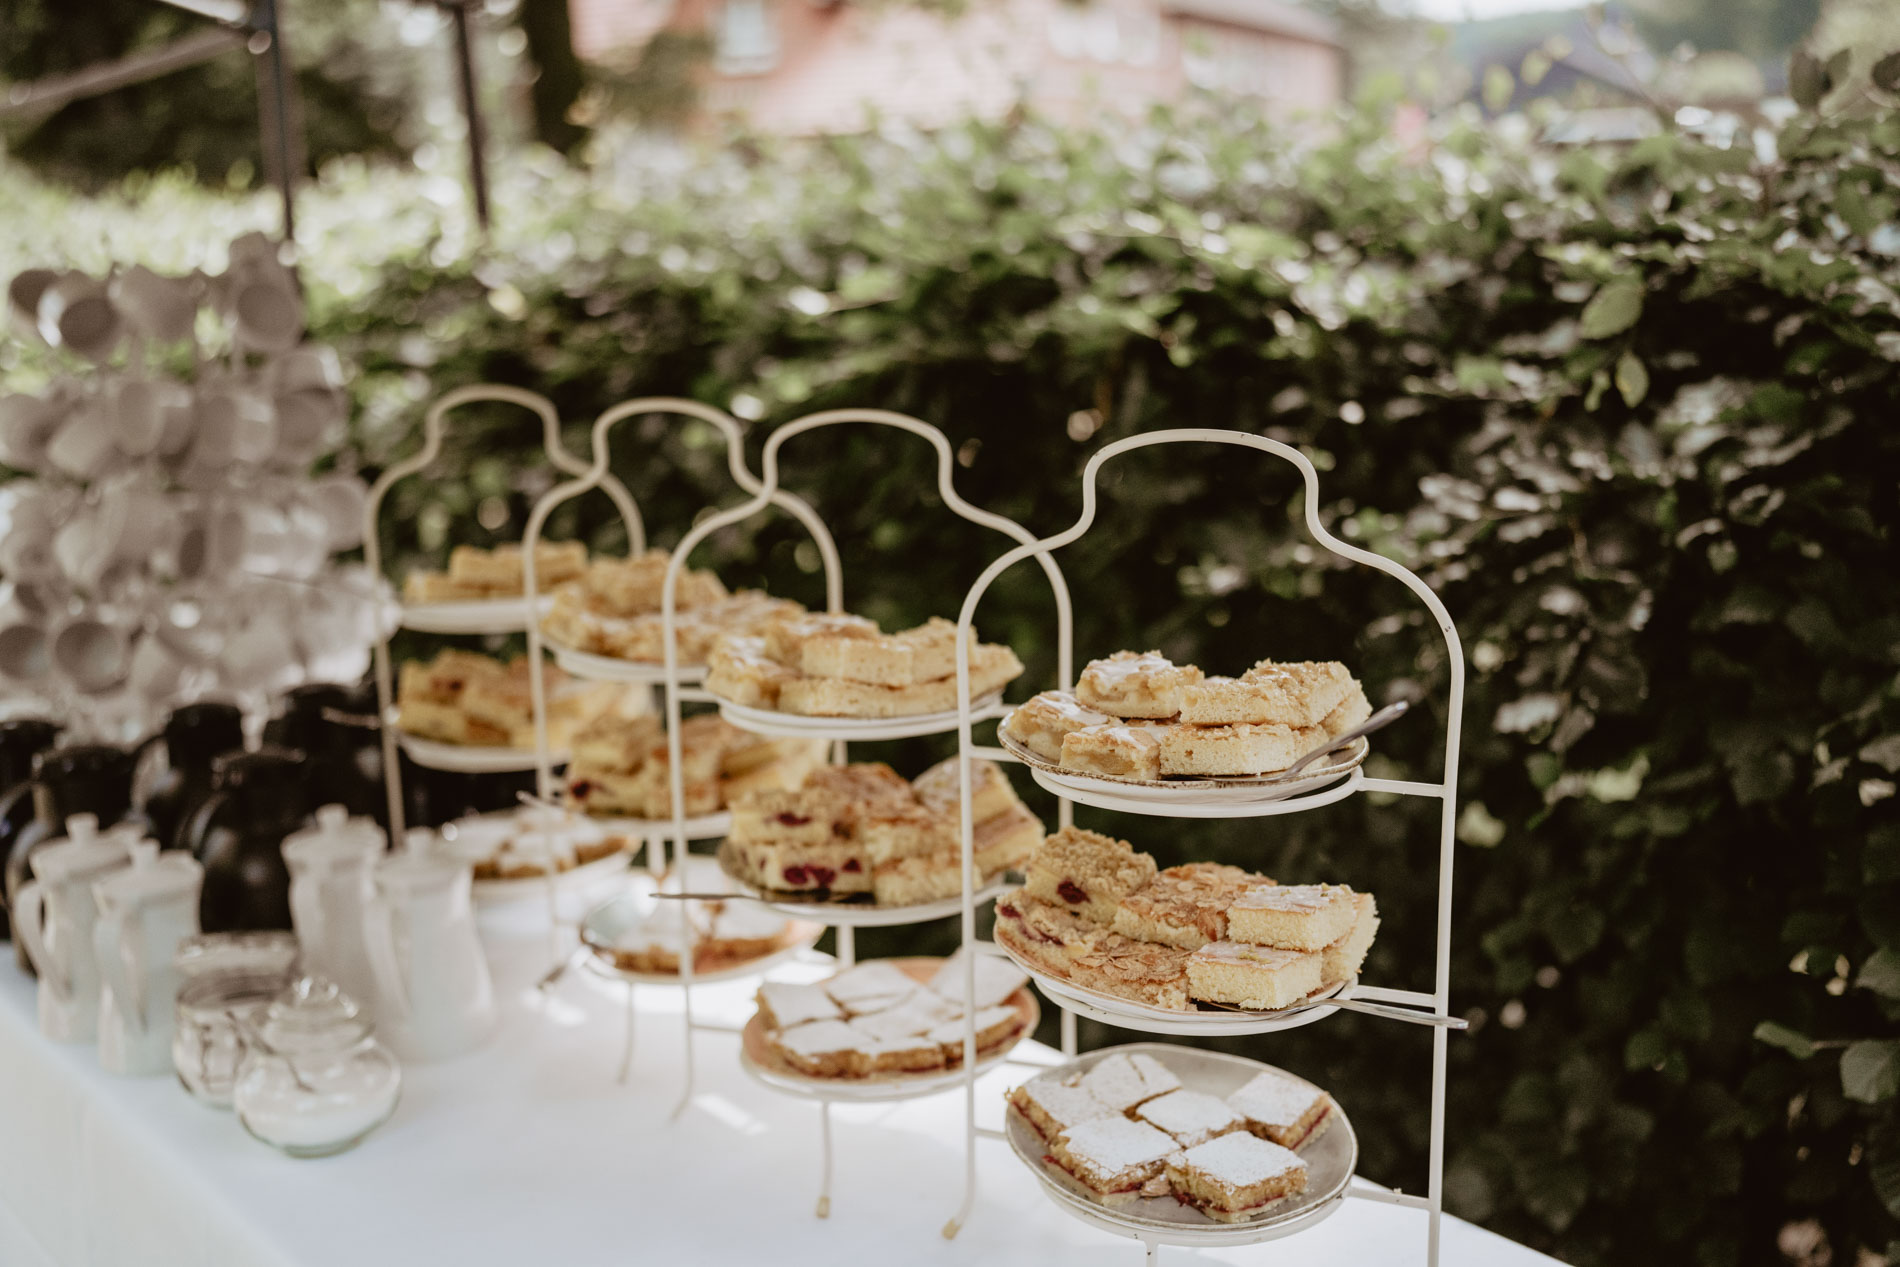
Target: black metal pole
x=472 y=108
x=276 y=112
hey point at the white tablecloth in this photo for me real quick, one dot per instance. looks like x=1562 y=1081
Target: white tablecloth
x=530 y=1153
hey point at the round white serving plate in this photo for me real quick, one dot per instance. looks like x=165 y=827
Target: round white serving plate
x=470 y=758
x=842 y=913
x=1330 y=1160
x=574 y=879
x=472 y=616
x=605 y=922
x=605 y=668
x=769 y=721
x=712 y=826
x=1128 y=1014
x=1207 y=805
x=755 y=1054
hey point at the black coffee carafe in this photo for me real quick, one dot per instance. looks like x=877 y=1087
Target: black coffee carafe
x=334 y=727
x=258 y=798
x=92 y=778
x=194 y=735
x=21 y=740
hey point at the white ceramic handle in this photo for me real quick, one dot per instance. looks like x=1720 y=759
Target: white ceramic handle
x=29 y=912
x=385 y=961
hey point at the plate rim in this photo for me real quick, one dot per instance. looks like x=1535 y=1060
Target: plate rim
x=1189 y=783
x=616 y=669
x=848 y=727
x=439 y=754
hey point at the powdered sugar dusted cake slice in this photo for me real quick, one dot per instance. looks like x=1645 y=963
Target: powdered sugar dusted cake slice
x=1192 y=1117
x=993 y=1025
x=1264 y=978
x=1112 y=1156
x=1292 y=916
x=1236 y=1176
x=906 y=1053
x=783 y=1005
x=1123 y=1081
x=1282 y=1109
x=1135 y=684
x=996 y=979
x=1344 y=958
x=824 y=1049
x=907 y=1019
x=1041 y=722
x=871 y=986
x=1052 y=1106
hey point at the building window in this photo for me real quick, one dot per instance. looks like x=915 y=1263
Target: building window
x=747 y=43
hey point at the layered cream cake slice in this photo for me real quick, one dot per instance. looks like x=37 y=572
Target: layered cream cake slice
x=1192 y=1117
x=1135 y=684
x=1053 y=1106
x=1113 y=1157
x=1125 y=1080
x=1344 y=958
x=1234 y=751
x=1261 y=978
x=1086 y=872
x=783 y=1005
x=1235 y=1176
x=1292 y=916
x=1041 y=722
x=1122 y=751
x=1282 y=1109
x=1184 y=906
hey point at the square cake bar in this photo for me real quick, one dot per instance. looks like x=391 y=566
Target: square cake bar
x=1123 y=1080
x=1184 y=906
x=1135 y=684
x=1041 y=722
x=1087 y=872
x=1235 y=1176
x=1192 y=1117
x=1053 y=1106
x=1344 y=958
x=783 y=1005
x=1128 y=752
x=1293 y=916
x=1282 y=1109
x=1263 y=978
x=1237 y=750
x=1113 y=1157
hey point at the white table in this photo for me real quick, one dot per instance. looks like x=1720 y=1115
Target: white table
x=530 y=1153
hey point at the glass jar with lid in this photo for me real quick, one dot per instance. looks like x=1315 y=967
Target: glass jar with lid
x=313 y=1080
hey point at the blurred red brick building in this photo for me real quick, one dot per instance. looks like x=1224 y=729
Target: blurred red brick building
x=805 y=67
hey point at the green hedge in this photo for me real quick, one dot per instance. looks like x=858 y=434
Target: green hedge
x=1632 y=414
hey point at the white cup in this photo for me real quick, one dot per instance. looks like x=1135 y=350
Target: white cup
x=26 y=424
x=23 y=296
x=138 y=419
x=261 y=654
x=81 y=548
x=84 y=444
x=254 y=439
x=156 y=672
x=163 y=309
x=306 y=367
x=30 y=516
x=178 y=415
x=90 y=655
x=266 y=310
x=341 y=500
x=24 y=653
x=75 y=312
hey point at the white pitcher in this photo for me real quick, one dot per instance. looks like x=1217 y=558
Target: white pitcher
x=53 y=915
x=432 y=979
x=145 y=912
x=332 y=894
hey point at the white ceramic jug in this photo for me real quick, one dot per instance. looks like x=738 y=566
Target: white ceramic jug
x=432 y=979
x=332 y=893
x=53 y=915
x=145 y=912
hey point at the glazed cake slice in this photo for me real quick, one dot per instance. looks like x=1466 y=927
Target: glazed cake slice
x=1126 y=752
x=1126 y=1080
x=1262 y=978
x=1113 y=1157
x=993 y=1025
x=1236 y=1176
x=1087 y=872
x=871 y=986
x=996 y=979
x=1041 y=722
x=1135 y=684
x=1053 y=1106
x=1234 y=751
x=1302 y=691
x=737 y=669
x=1184 y=906
x=1282 y=1109
x=1192 y=1117
x=1292 y=916
x=782 y=1005
x=1343 y=958
x=909 y=1053
x=909 y=1018
x=784 y=640
x=824 y=1049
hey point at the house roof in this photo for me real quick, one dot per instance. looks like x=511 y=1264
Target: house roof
x=1275 y=16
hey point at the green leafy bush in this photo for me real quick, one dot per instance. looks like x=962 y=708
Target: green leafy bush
x=1630 y=413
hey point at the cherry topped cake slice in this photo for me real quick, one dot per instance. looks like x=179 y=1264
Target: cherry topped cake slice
x=1087 y=872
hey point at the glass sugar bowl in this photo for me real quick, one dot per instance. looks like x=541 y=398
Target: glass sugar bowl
x=208 y=1040
x=313 y=1080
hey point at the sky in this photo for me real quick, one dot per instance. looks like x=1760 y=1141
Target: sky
x=1456 y=10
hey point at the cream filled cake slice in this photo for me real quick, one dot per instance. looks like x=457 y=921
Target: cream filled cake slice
x=1192 y=1117
x=1235 y=1176
x=1112 y=1156
x=1053 y=1106
x=1282 y=1109
x=1086 y=872
x=1292 y=916
x=1122 y=751
x=1123 y=1080
x=1344 y=958
x=783 y=1005
x=1041 y=722
x=1261 y=978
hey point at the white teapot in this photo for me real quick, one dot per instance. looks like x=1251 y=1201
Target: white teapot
x=53 y=915
x=431 y=976
x=145 y=912
x=332 y=893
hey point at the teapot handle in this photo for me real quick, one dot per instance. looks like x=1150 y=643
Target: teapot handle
x=385 y=960
x=29 y=912
x=119 y=961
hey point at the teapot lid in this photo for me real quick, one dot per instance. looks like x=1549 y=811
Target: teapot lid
x=83 y=850
x=336 y=838
x=312 y=1015
x=152 y=875
x=420 y=865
